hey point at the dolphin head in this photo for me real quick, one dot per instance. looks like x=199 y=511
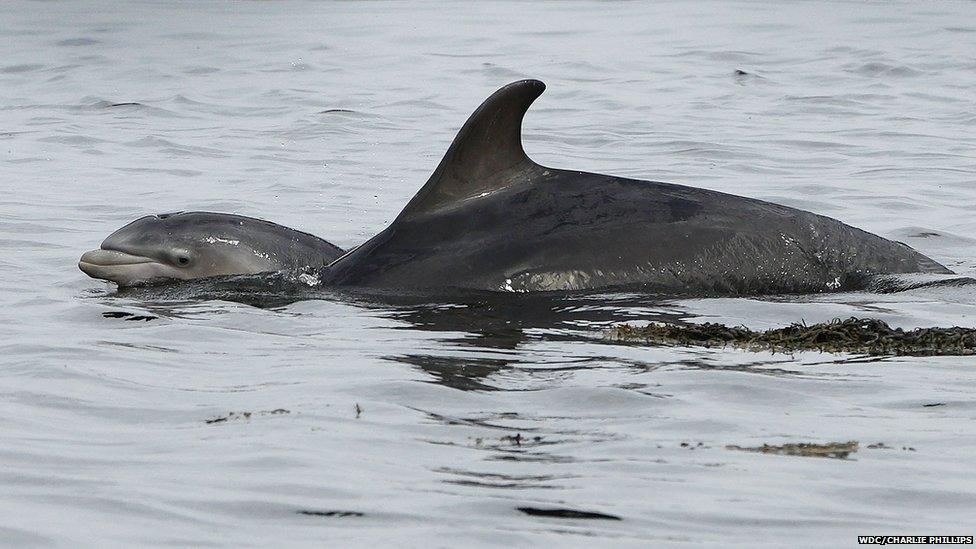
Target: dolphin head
x=188 y=245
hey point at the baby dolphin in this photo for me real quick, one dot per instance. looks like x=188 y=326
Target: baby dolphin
x=489 y=218
x=188 y=245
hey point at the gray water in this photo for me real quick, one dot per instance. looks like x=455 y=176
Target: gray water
x=334 y=421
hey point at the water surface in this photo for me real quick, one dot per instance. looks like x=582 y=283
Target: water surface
x=342 y=421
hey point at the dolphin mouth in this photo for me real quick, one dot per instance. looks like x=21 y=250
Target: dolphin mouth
x=111 y=258
x=119 y=267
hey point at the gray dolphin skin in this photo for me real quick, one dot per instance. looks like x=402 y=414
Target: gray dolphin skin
x=188 y=245
x=489 y=218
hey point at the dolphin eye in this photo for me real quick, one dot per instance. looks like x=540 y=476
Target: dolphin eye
x=183 y=260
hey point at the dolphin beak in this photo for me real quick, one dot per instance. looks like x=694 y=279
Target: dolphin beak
x=105 y=258
x=104 y=263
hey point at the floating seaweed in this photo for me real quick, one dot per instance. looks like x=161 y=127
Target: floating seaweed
x=246 y=415
x=859 y=336
x=837 y=450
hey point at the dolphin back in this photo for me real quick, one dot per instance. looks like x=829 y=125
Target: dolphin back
x=490 y=218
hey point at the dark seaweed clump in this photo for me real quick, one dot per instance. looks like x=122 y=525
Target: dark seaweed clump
x=854 y=335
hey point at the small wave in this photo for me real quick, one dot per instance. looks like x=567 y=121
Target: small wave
x=176 y=149
x=72 y=140
x=168 y=171
x=878 y=68
x=72 y=42
x=15 y=69
x=200 y=70
x=889 y=284
x=265 y=291
x=721 y=55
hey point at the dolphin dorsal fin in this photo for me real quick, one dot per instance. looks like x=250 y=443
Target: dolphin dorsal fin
x=486 y=155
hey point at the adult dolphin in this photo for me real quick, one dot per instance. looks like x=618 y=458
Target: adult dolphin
x=188 y=245
x=489 y=218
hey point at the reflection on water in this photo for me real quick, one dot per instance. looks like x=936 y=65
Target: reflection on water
x=481 y=333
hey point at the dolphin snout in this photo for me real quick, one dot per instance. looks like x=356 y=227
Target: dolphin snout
x=118 y=267
x=111 y=257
